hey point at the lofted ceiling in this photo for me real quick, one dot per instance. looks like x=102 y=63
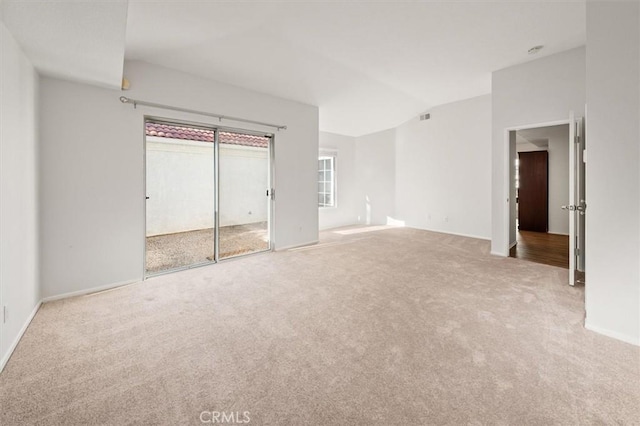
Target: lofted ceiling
x=367 y=65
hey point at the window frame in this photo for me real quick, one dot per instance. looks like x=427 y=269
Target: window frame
x=324 y=156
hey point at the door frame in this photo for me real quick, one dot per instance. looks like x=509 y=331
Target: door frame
x=216 y=158
x=506 y=188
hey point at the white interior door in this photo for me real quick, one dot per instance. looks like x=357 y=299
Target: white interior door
x=577 y=203
x=581 y=205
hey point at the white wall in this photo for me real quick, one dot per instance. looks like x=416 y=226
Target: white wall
x=346 y=211
x=181 y=191
x=558 y=149
x=92 y=200
x=91 y=188
x=419 y=173
x=559 y=183
x=537 y=92
x=613 y=163
x=375 y=179
x=443 y=169
x=19 y=286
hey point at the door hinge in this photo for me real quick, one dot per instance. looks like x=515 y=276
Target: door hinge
x=271 y=193
x=576 y=139
x=4 y=314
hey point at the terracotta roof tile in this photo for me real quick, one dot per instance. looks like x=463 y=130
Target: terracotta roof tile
x=162 y=130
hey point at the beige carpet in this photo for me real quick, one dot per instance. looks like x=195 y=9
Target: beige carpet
x=393 y=327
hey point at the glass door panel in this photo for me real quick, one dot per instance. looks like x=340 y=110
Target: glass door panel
x=180 y=189
x=244 y=203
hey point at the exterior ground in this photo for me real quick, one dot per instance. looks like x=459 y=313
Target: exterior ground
x=172 y=251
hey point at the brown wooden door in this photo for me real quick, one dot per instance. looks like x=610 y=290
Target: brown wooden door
x=533 y=194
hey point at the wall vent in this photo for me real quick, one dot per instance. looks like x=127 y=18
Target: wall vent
x=425 y=117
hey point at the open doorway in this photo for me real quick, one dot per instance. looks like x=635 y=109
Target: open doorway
x=540 y=228
x=575 y=207
x=208 y=194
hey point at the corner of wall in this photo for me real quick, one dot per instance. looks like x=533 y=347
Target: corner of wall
x=19 y=195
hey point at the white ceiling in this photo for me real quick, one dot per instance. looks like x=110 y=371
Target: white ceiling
x=540 y=136
x=77 y=40
x=367 y=65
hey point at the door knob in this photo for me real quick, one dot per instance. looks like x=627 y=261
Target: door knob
x=581 y=208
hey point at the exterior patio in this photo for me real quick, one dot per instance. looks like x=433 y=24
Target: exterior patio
x=182 y=249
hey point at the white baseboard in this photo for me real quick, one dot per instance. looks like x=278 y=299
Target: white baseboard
x=513 y=244
x=310 y=243
x=14 y=345
x=459 y=234
x=613 y=334
x=337 y=225
x=495 y=253
x=88 y=291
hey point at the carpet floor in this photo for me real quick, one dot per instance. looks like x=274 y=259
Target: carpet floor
x=391 y=327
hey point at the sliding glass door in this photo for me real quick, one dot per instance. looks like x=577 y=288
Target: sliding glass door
x=180 y=206
x=207 y=195
x=244 y=198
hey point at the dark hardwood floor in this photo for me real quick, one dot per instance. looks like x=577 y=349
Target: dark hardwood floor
x=542 y=247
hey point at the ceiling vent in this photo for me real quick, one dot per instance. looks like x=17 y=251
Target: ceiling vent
x=425 y=117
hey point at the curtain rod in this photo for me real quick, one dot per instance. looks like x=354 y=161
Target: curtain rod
x=136 y=102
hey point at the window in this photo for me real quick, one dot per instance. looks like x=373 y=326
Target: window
x=326 y=181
